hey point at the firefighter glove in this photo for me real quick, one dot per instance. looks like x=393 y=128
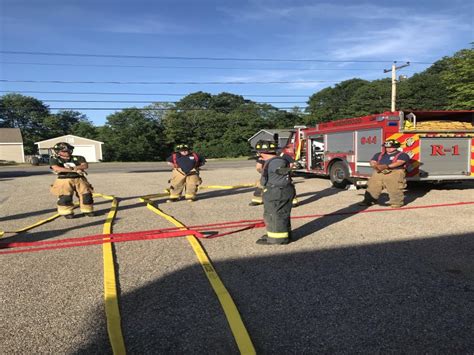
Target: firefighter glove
x=283 y=171
x=381 y=167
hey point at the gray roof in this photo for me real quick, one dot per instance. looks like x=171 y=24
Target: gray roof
x=64 y=138
x=283 y=133
x=10 y=135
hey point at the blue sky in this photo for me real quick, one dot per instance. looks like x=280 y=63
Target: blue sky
x=346 y=39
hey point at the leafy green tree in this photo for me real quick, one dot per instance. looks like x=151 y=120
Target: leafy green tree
x=459 y=80
x=373 y=97
x=333 y=103
x=27 y=114
x=424 y=91
x=219 y=125
x=225 y=102
x=179 y=128
x=196 y=101
x=447 y=84
x=62 y=123
x=85 y=129
x=130 y=136
x=158 y=110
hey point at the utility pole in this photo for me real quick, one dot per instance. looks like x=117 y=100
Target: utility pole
x=394 y=81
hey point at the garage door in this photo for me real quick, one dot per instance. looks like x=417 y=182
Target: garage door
x=87 y=151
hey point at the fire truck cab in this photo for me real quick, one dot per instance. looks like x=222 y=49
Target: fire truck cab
x=439 y=143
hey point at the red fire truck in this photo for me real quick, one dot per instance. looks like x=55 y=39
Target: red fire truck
x=439 y=143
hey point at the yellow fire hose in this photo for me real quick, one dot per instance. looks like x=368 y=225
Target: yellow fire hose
x=112 y=310
x=231 y=312
x=225 y=187
x=110 y=285
x=37 y=224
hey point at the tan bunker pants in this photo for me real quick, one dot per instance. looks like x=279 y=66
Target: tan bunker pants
x=394 y=183
x=64 y=189
x=180 y=181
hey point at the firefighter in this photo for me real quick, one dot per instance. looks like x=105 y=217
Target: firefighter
x=71 y=171
x=185 y=173
x=389 y=174
x=278 y=194
x=261 y=147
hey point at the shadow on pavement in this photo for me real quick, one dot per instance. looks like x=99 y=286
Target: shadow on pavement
x=220 y=193
x=343 y=213
x=398 y=297
x=40 y=212
x=314 y=196
x=23 y=173
x=78 y=224
x=148 y=171
x=320 y=223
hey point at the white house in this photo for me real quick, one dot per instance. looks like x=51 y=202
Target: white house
x=282 y=135
x=88 y=148
x=11 y=145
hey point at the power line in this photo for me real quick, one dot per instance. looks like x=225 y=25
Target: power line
x=148 y=109
x=169 y=82
x=185 y=67
x=199 y=58
x=131 y=93
x=161 y=102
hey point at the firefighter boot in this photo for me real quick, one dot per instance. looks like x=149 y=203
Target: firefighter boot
x=368 y=200
x=264 y=240
x=257 y=196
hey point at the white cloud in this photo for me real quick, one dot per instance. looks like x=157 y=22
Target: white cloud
x=143 y=26
x=410 y=37
x=274 y=11
x=305 y=82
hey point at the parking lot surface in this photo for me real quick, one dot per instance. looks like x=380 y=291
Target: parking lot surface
x=354 y=280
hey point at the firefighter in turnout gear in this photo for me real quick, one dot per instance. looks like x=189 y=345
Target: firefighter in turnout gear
x=71 y=170
x=262 y=148
x=389 y=174
x=265 y=151
x=278 y=194
x=185 y=173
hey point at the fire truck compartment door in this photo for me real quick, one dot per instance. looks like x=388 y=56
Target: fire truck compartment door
x=342 y=142
x=369 y=142
x=444 y=156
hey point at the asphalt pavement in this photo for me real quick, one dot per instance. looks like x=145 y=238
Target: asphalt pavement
x=355 y=280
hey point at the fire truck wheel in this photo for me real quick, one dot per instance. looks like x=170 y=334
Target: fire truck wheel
x=339 y=175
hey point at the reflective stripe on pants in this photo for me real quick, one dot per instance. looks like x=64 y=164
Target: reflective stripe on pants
x=78 y=186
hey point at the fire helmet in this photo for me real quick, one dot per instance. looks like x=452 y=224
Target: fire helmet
x=181 y=147
x=391 y=143
x=266 y=146
x=63 y=147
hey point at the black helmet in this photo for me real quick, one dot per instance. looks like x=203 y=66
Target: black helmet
x=180 y=147
x=266 y=147
x=391 y=143
x=63 y=147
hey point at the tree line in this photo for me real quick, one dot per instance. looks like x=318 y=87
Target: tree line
x=219 y=125
x=447 y=85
